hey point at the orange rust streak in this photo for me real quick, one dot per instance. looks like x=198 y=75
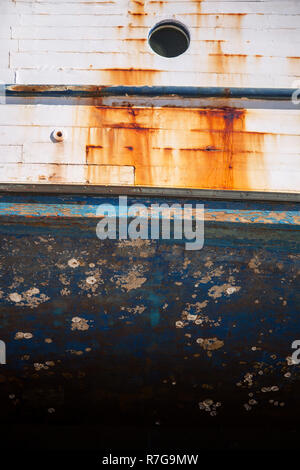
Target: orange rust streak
x=223 y=63
x=138 y=13
x=131 y=77
x=138 y=7
x=212 y=149
x=216 y=60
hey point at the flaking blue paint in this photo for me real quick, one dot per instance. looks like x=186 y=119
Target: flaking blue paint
x=133 y=352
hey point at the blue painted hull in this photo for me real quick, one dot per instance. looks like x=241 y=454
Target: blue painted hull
x=144 y=333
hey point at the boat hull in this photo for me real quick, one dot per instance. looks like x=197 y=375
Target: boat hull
x=145 y=333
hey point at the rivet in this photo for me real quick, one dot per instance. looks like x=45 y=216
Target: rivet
x=59 y=135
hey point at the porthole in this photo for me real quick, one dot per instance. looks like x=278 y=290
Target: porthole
x=169 y=38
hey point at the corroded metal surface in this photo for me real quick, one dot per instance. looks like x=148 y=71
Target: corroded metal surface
x=206 y=148
x=101 y=45
x=215 y=149
x=86 y=207
x=147 y=191
x=284 y=94
x=233 y=43
x=144 y=333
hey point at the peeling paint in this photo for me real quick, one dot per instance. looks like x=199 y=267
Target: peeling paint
x=80 y=324
x=210 y=344
x=217 y=291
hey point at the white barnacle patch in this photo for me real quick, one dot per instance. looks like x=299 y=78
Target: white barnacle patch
x=254 y=264
x=204 y=319
x=129 y=281
x=91 y=280
x=21 y=335
x=231 y=290
x=80 y=324
x=32 y=291
x=26 y=357
x=217 y=291
x=252 y=402
x=64 y=280
x=73 y=263
x=50 y=363
x=138 y=309
x=191 y=317
x=273 y=388
x=28 y=335
x=30 y=298
x=289 y=361
x=209 y=406
x=17 y=281
x=39 y=366
x=144 y=248
x=210 y=274
x=210 y=344
x=76 y=353
x=193 y=313
x=15 y=297
x=247 y=380
x=65 y=292
x=196 y=307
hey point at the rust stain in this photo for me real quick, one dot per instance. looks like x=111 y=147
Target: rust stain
x=173 y=147
x=216 y=60
x=238 y=17
x=217 y=160
x=212 y=150
x=47 y=88
x=224 y=63
x=293 y=65
x=234 y=55
x=199 y=6
x=159 y=4
x=137 y=13
x=137 y=7
x=198 y=14
x=131 y=76
x=30 y=89
x=138 y=40
x=196 y=148
x=230 y=116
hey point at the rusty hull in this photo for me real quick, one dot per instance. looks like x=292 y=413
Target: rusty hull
x=213 y=147
x=185 y=148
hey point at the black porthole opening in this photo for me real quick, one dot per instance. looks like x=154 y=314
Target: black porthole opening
x=169 y=38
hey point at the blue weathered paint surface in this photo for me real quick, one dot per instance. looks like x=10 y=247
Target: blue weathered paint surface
x=143 y=331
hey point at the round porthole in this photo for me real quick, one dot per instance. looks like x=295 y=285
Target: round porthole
x=169 y=38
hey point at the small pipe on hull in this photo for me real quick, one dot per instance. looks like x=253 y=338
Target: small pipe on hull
x=90 y=91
